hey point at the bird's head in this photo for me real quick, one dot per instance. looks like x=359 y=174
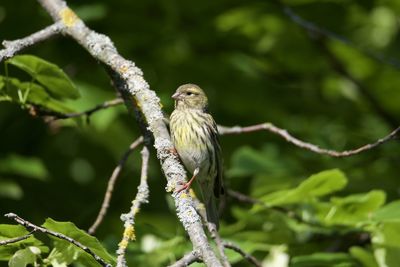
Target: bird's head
x=190 y=96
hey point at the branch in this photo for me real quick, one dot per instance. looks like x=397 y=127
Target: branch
x=39 y=111
x=245 y=255
x=15 y=240
x=29 y=225
x=13 y=47
x=111 y=184
x=129 y=218
x=132 y=81
x=308 y=146
x=187 y=260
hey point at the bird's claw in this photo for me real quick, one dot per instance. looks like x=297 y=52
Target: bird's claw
x=184 y=187
x=173 y=151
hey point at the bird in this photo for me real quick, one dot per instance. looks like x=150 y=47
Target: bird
x=194 y=134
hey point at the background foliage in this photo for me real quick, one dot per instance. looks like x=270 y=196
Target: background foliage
x=257 y=64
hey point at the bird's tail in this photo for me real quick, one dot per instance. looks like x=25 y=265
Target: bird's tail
x=212 y=211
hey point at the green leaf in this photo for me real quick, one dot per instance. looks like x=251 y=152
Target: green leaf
x=353 y=209
x=35 y=94
x=10 y=189
x=24 y=166
x=364 y=256
x=386 y=244
x=12 y=231
x=23 y=257
x=389 y=212
x=66 y=252
x=47 y=74
x=317 y=185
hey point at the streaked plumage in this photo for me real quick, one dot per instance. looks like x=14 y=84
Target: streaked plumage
x=195 y=137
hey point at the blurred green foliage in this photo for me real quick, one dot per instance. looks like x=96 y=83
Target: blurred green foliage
x=257 y=63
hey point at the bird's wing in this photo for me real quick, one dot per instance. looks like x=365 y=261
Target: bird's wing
x=218 y=182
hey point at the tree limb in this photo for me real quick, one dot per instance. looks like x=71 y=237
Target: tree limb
x=15 y=240
x=111 y=184
x=297 y=142
x=245 y=255
x=29 y=225
x=13 y=47
x=142 y=197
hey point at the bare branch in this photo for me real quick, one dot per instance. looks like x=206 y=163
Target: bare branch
x=111 y=184
x=245 y=255
x=39 y=111
x=13 y=47
x=31 y=226
x=141 y=97
x=187 y=260
x=15 y=240
x=129 y=218
x=293 y=140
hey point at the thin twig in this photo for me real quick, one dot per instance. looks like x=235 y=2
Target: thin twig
x=111 y=183
x=28 y=225
x=142 y=197
x=186 y=260
x=13 y=47
x=15 y=240
x=36 y=110
x=245 y=255
x=293 y=140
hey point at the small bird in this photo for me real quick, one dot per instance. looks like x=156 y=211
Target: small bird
x=194 y=134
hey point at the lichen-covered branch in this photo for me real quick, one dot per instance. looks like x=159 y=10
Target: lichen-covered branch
x=111 y=184
x=13 y=47
x=142 y=197
x=297 y=142
x=30 y=226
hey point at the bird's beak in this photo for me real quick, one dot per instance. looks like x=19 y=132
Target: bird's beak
x=176 y=96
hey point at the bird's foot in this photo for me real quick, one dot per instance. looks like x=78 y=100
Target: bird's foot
x=173 y=151
x=184 y=187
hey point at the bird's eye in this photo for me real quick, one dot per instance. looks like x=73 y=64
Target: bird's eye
x=189 y=93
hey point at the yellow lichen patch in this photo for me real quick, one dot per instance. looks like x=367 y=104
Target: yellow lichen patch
x=123 y=244
x=129 y=233
x=123 y=68
x=68 y=17
x=135 y=211
x=184 y=195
